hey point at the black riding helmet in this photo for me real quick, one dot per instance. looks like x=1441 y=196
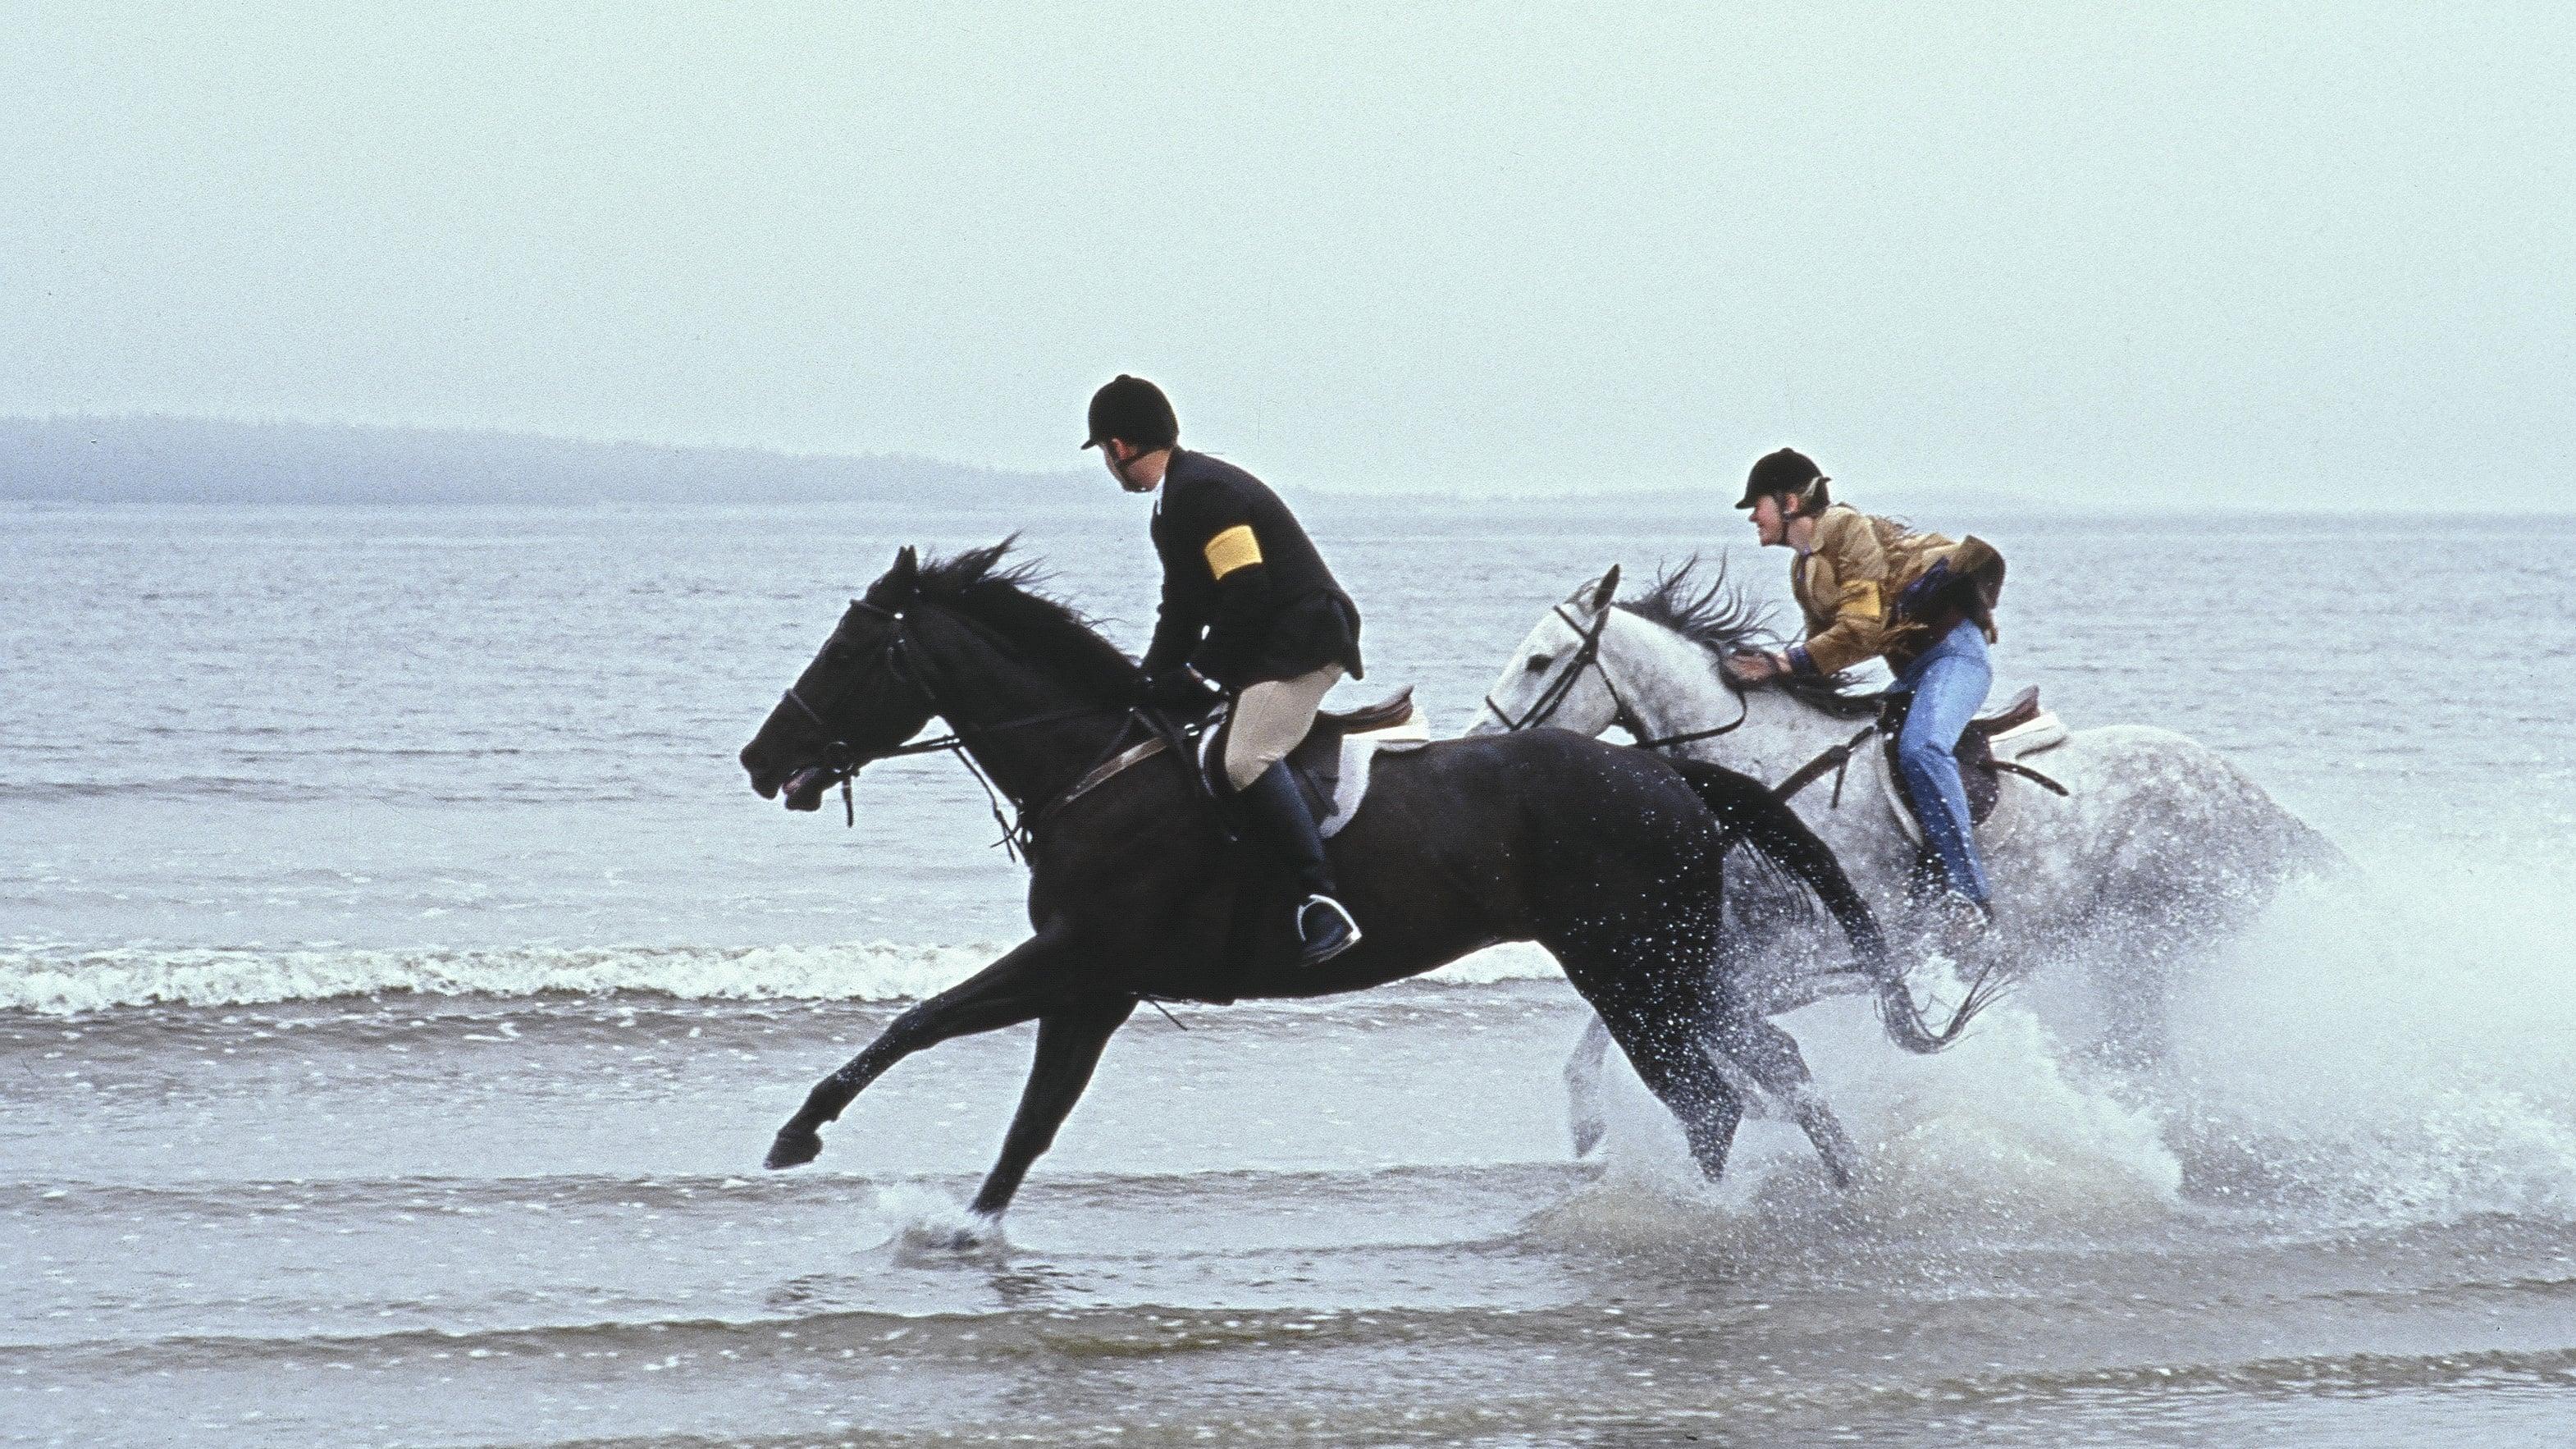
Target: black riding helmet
x=1133 y=410
x=1786 y=471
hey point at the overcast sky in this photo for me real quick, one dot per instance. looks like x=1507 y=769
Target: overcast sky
x=2296 y=254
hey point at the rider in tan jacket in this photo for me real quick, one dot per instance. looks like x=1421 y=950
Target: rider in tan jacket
x=1870 y=587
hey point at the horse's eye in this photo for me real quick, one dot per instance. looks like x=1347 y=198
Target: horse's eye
x=1538 y=662
x=836 y=653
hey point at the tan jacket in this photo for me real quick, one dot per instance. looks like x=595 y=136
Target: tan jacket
x=1847 y=586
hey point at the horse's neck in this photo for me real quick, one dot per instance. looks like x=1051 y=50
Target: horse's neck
x=1672 y=687
x=1032 y=733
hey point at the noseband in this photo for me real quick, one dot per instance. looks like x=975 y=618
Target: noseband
x=1587 y=655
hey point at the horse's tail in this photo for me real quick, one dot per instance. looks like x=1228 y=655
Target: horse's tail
x=1752 y=816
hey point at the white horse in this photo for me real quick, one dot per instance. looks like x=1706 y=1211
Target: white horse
x=2157 y=847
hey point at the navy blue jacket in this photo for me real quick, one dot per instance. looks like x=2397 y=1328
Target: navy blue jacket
x=1246 y=597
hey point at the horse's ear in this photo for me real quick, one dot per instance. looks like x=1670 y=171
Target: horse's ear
x=1606 y=590
x=907 y=569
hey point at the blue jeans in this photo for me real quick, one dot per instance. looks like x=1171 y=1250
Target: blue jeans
x=1948 y=683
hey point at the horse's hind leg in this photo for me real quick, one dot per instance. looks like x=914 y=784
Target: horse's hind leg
x=1662 y=1042
x=1005 y=993
x=1770 y=1056
x=1585 y=1099
x=1070 y=1041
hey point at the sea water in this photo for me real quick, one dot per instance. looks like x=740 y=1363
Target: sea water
x=399 y=985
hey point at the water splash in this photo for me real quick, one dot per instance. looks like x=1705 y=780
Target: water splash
x=2391 y=1048
x=930 y=1227
x=2397 y=1048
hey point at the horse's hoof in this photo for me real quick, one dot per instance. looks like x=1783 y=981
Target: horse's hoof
x=793 y=1147
x=982 y=1230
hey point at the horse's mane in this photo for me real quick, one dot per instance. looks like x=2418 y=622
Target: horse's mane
x=1010 y=601
x=1718 y=617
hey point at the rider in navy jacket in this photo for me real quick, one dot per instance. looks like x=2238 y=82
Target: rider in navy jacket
x=1248 y=604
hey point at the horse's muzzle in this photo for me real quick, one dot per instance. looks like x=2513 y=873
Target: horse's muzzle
x=765 y=777
x=804 y=789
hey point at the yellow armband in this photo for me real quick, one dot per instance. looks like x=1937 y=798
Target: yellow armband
x=1235 y=548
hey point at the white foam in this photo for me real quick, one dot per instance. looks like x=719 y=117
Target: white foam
x=56 y=981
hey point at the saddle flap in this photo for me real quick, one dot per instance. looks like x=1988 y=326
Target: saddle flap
x=1332 y=761
x=1317 y=765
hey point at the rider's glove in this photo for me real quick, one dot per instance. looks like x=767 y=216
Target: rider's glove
x=1181 y=690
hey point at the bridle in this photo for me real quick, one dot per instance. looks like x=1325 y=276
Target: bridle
x=841 y=762
x=1587 y=655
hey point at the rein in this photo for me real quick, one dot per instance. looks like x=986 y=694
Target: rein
x=842 y=764
x=1587 y=655
x=1836 y=758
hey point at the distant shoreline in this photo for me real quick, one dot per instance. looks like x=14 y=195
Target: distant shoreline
x=212 y=462
x=218 y=461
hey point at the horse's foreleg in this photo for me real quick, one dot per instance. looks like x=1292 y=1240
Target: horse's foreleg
x=1002 y=994
x=1583 y=1087
x=1070 y=1040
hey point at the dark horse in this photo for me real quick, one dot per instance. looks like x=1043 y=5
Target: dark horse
x=1608 y=857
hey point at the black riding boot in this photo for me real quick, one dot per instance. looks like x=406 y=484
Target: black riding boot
x=1278 y=813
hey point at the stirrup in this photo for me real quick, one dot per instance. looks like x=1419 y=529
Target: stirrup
x=1333 y=934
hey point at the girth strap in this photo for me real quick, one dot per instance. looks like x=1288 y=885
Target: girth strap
x=2027 y=773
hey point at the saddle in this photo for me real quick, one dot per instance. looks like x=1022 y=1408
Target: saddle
x=1980 y=768
x=1387 y=713
x=1331 y=764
